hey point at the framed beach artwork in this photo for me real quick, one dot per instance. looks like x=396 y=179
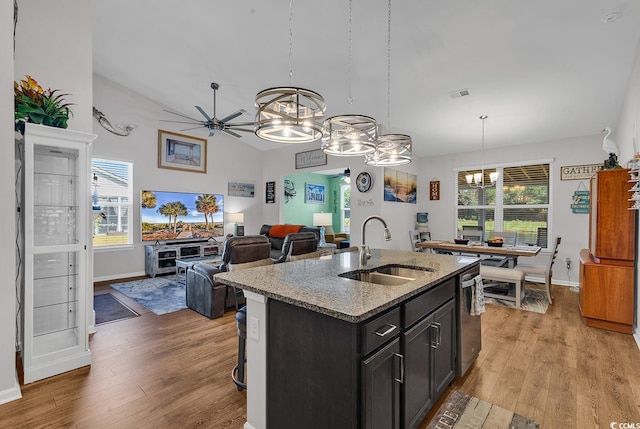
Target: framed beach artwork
x=400 y=186
x=182 y=152
x=314 y=194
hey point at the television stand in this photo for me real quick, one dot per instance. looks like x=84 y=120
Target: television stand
x=161 y=259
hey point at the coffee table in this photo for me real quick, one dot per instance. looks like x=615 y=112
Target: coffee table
x=184 y=264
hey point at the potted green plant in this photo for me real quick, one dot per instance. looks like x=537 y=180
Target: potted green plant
x=39 y=106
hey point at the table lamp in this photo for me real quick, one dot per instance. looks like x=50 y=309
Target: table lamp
x=324 y=221
x=236 y=218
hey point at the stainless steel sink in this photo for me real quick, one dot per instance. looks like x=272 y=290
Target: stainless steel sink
x=388 y=275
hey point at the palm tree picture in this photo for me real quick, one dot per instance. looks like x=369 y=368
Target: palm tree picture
x=181 y=215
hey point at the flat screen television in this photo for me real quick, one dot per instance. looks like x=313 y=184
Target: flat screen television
x=181 y=216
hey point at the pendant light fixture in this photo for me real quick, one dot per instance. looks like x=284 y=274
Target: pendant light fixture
x=391 y=149
x=349 y=135
x=477 y=180
x=289 y=114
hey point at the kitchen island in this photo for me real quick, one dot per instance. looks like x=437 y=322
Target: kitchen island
x=327 y=350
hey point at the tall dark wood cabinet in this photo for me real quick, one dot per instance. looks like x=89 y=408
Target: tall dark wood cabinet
x=607 y=267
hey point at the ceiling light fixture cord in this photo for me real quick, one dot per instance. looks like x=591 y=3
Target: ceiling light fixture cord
x=483 y=117
x=349 y=97
x=389 y=71
x=290 y=42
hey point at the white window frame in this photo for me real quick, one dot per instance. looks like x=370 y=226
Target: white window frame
x=499 y=207
x=118 y=205
x=343 y=209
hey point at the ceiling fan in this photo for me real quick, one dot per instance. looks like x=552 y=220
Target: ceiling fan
x=214 y=124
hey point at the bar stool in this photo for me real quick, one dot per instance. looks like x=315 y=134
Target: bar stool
x=237 y=374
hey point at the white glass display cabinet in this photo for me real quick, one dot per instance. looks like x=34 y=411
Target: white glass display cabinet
x=57 y=246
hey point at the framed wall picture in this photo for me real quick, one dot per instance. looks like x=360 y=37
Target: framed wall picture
x=314 y=194
x=270 y=193
x=236 y=189
x=182 y=152
x=311 y=158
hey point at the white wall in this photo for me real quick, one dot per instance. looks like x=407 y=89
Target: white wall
x=628 y=139
x=54 y=46
x=573 y=228
x=9 y=387
x=401 y=216
x=228 y=159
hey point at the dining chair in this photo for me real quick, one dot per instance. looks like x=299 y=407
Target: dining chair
x=543 y=270
x=414 y=237
x=472 y=234
x=510 y=238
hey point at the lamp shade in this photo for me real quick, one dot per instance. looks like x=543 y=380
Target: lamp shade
x=322 y=219
x=235 y=217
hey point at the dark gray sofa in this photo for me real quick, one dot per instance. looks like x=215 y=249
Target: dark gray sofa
x=277 y=242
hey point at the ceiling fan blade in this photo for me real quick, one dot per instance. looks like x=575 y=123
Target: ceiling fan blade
x=180 y=114
x=236 y=135
x=246 y=130
x=192 y=128
x=233 y=115
x=184 y=122
x=240 y=124
x=201 y=110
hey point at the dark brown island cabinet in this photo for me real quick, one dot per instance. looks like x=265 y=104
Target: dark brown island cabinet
x=607 y=267
x=383 y=373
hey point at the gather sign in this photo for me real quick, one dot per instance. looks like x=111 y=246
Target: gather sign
x=579 y=172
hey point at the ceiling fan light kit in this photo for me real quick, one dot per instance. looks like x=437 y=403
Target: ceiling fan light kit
x=289 y=115
x=212 y=123
x=349 y=135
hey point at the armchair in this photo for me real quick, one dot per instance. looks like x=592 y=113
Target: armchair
x=211 y=299
x=300 y=242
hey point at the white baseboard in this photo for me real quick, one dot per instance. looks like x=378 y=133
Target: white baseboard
x=553 y=281
x=636 y=336
x=118 y=276
x=12 y=393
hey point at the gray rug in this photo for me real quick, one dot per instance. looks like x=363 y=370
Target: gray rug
x=161 y=295
x=464 y=411
x=109 y=309
x=535 y=300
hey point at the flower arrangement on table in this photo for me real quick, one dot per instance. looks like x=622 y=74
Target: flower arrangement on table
x=39 y=106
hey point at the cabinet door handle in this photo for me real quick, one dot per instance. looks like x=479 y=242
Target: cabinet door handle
x=434 y=344
x=388 y=331
x=401 y=358
x=439 y=330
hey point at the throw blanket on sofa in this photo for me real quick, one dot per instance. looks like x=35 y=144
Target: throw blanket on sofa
x=281 y=231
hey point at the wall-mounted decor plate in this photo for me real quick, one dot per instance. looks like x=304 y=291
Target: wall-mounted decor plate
x=364 y=182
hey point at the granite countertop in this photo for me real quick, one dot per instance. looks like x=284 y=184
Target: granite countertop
x=314 y=284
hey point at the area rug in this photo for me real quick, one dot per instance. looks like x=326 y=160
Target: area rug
x=535 y=300
x=109 y=309
x=464 y=411
x=161 y=295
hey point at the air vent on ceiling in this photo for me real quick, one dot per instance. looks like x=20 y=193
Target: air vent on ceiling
x=459 y=93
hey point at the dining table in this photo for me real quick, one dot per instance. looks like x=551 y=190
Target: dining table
x=480 y=248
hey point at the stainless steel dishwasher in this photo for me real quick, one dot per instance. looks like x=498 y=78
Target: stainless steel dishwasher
x=469 y=327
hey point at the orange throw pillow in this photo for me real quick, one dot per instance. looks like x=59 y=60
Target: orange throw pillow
x=281 y=231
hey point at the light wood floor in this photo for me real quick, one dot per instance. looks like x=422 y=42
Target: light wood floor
x=173 y=371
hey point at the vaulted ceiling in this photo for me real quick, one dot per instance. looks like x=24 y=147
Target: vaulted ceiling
x=541 y=70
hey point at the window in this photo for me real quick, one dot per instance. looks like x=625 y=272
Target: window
x=519 y=202
x=345 y=206
x=112 y=192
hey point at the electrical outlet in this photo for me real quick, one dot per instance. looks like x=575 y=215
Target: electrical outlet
x=568 y=262
x=254 y=328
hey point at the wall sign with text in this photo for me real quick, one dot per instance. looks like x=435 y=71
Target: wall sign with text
x=311 y=158
x=434 y=190
x=579 y=172
x=270 y=193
